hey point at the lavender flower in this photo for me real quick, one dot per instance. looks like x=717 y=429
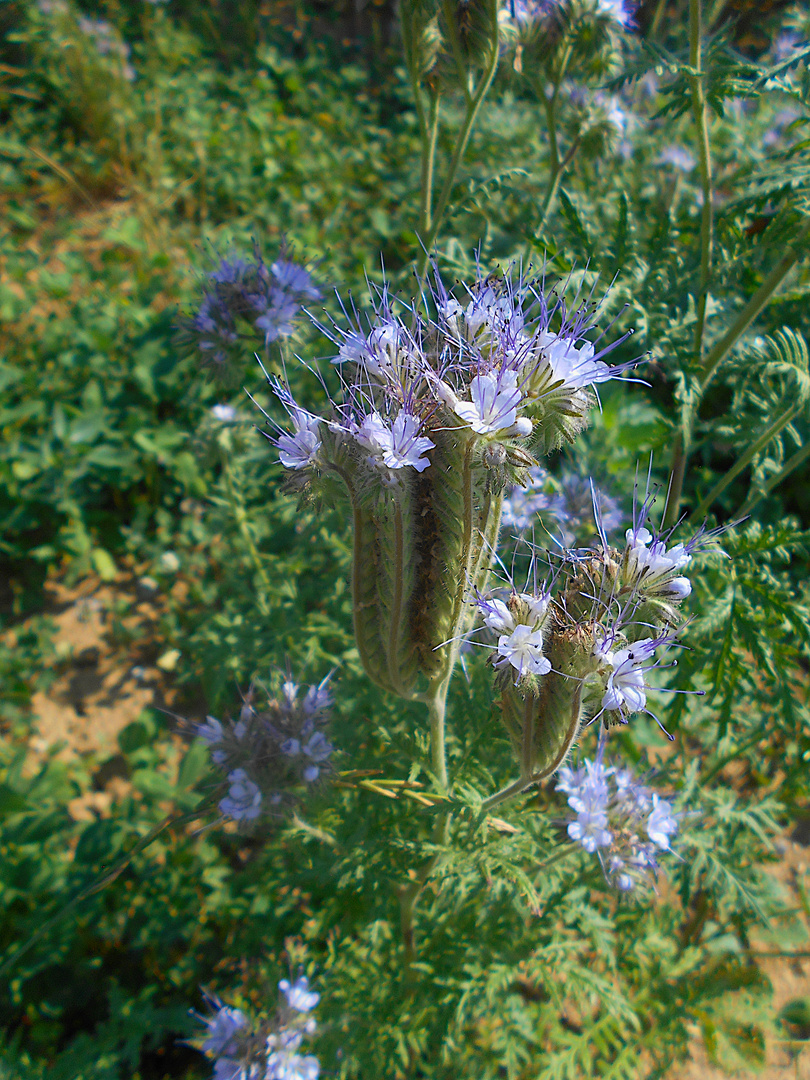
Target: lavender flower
x=494 y=366
x=267 y=755
x=244 y=799
x=620 y=818
x=298 y=994
x=246 y=299
x=588 y=795
x=266 y=1049
x=520 y=623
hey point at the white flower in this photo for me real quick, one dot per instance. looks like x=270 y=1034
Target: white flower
x=497 y=615
x=678 y=588
x=224 y=413
x=284 y=1066
x=626 y=690
x=397 y=446
x=575 y=368
x=298 y=450
x=523 y=649
x=537 y=605
x=649 y=563
x=298 y=994
x=661 y=823
x=495 y=398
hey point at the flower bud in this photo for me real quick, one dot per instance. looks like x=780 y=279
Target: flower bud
x=543 y=716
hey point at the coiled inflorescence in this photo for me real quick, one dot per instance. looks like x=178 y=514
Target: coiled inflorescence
x=266 y=756
x=579 y=648
x=436 y=416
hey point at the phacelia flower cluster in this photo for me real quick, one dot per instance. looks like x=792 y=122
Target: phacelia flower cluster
x=500 y=366
x=566 y=514
x=617 y=817
x=436 y=417
x=579 y=646
x=266 y=756
x=267 y=1049
x=248 y=300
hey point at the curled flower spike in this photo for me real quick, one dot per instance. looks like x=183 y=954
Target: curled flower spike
x=436 y=416
x=266 y=755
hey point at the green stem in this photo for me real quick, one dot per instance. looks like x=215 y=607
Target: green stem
x=792 y=463
x=554 y=186
x=241 y=518
x=680 y=455
x=757 y=302
x=701 y=121
x=549 y=104
x=436 y=701
x=428 y=164
x=450 y=16
x=473 y=106
x=515 y=788
x=437 y=706
x=396 y=603
x=769 y=433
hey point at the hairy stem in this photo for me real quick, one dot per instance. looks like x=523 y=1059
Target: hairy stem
x=700 y=111
x=474 y=103
x=515 y=788
x=436 y=701
x=720 y=351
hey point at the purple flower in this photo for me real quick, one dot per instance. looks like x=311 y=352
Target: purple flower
x=247 y=295
x=522 y=504
x=244 y=799
x=619 y=818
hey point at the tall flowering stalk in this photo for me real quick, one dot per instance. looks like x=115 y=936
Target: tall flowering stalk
x=436 y=417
